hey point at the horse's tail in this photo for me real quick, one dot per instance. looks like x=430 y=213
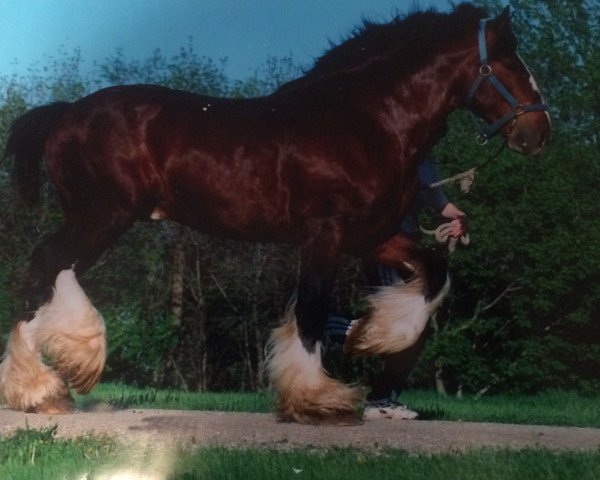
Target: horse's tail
x=26 y=145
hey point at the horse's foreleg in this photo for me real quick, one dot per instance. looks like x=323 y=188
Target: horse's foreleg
x=306 y=393
x=399 y=312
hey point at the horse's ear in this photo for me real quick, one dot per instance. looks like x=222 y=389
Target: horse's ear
x=502 y=21
x=503 y=33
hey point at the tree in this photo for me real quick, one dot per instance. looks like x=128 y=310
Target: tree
x=525 y=303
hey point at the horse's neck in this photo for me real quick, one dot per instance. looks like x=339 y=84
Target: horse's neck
x=416 y=109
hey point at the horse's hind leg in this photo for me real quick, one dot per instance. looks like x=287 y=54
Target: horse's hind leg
x=399 y=312
x=306 y=393
x=60 y=323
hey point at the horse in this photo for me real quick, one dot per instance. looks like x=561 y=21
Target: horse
x=327 y=162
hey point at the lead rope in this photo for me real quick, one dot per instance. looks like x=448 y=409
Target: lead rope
x=442 y=235
x=465 y=180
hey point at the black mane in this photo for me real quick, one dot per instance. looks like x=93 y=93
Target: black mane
x=411 y=37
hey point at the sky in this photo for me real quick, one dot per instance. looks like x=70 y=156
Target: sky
x=245 y=32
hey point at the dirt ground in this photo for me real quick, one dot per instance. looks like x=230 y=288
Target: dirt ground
x=253 y=429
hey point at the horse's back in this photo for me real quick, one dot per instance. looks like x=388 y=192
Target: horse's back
x=247 y=168
x=211 y=163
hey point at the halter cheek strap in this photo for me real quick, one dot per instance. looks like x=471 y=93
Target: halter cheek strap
x=485 y=73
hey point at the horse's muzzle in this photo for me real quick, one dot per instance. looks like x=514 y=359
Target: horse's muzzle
x=530 y=133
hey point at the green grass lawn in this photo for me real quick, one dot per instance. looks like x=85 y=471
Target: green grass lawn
x=38 y=455
x=121 y=396
x=551 y=408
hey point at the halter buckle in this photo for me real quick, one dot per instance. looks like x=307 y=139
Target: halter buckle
x=519 y=110
x=485 y=70
x=481 y=139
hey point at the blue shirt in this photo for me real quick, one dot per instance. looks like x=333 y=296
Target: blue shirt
x=426 y=197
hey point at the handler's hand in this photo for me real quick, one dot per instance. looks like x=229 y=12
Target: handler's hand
x=460 y=226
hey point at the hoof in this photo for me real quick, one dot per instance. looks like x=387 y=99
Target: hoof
x=333 y=404
x=54 y=406
x=343 y=419
x=338 y=419
x=26 y=383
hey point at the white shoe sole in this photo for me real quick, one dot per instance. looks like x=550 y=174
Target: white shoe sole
x=391 y=413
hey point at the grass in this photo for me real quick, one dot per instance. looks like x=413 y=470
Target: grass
x=39 y=455
x=121 y=397
x=550 y=408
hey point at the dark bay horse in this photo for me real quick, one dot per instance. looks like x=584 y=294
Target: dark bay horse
x=327 y=162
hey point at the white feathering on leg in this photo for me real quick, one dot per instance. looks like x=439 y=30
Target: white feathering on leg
x=25 y=381
x=306 y=393
x=399 y=316
x=72 y=333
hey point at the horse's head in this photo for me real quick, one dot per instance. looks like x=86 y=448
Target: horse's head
x=504 y=93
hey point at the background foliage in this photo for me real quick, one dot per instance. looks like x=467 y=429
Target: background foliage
x=191 y=311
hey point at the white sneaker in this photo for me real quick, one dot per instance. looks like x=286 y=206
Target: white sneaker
x=391 y=411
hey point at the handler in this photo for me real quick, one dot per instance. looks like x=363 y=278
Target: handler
x=397 y=367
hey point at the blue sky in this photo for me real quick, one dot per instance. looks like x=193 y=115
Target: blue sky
x=245 y=32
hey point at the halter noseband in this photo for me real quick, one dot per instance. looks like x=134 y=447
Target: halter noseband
x=485 y=73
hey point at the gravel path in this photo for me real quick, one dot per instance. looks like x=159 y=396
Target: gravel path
x=254 y=429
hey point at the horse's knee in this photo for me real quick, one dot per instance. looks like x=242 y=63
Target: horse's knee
x=403 y=253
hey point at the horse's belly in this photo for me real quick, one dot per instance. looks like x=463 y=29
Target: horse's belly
x=243 y=220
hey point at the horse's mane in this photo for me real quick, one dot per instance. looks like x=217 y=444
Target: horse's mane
x=411 y=37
